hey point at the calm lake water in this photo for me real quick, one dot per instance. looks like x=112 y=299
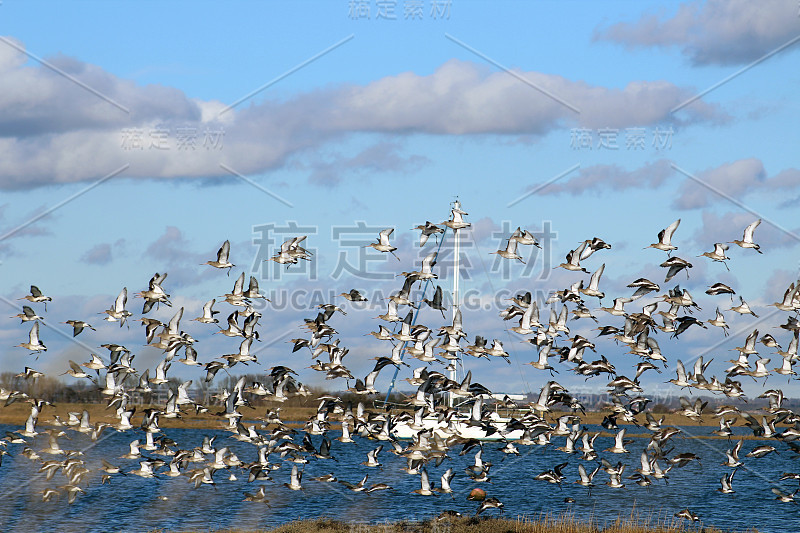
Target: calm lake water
x=131 y=503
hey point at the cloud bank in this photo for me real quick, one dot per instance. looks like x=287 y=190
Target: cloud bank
x=716 y=32
x=82 y=123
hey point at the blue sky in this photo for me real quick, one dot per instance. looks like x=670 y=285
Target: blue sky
x=386 y=127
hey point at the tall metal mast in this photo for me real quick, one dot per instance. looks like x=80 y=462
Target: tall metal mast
x=456 y=301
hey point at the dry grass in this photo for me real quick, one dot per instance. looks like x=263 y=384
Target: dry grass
x=17 y=413
x=566 y=523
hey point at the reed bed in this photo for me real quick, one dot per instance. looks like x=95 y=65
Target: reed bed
x=564 y=523
x=17 y=412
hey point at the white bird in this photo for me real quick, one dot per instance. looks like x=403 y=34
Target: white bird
x=619 y=444
x=382 y=244
x=161 y=373
x=525 y=238
x=743 y=308
x=510 y=251
x=675 y=264
x=719 y=321
x=529 y=320
x=718 y=254
x=372 y=457
x=27 y=315
x=291 y=252
x=222 y=258
x=542 y=403
x=456 y=221
x=747 y=238
x=294 y=480
x=593 y=245
x=665 y=238
x=425 y=485
x=34 y=344
x=445 y=487
x=594 y=283
x=75 y=370
x=726 y=483
x=95 y=363
x=789 y=302
x=428 y=229
x=618 y=308
x=785 y=498
x=190 y=357
x=426 y=268
x=391 y=313
x=118 y=311
x=541 y=363
x=585 y=478
x=732 y=455
x=236 y=297
x=208 y=313
x=36 y=296
x=574 y=259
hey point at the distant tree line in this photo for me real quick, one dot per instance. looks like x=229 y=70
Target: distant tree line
x=84 y=391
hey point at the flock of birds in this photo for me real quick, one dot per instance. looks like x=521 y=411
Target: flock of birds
x=278 y=448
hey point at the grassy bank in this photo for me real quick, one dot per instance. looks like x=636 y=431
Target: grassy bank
x=520 y=524
x=17 y=412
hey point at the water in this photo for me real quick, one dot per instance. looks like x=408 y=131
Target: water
x=130 y=503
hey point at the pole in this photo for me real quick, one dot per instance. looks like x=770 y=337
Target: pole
x=456 y=302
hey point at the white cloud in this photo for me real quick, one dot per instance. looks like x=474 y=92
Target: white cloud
x=735 y=180
x=609 y=178
x=722 y=32
x=53 y=130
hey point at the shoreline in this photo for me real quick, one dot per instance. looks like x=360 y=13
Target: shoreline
x=564 y=523
x=18 y=412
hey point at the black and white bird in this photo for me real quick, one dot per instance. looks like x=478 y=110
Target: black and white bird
x=382 y=244
x=27 y=315
x=118 y=312
x=665 y=238
x=34 y=344
x=747 y=237
x=428 y=229
x=718 y=254
x=36 y=296
x=222 y=258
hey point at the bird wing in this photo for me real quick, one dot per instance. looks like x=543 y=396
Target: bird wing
x=594 y=281
x=748 y=231
x=384 y=236
x=122 y=299
x=238 y=287
x=426 y=484
x=666 y=235
x=33 y=335
x=428 y=262
x=174 y=323
x=224 y=251
x=619 y=437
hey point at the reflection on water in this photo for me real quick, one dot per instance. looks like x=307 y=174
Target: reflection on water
x=131 y=503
